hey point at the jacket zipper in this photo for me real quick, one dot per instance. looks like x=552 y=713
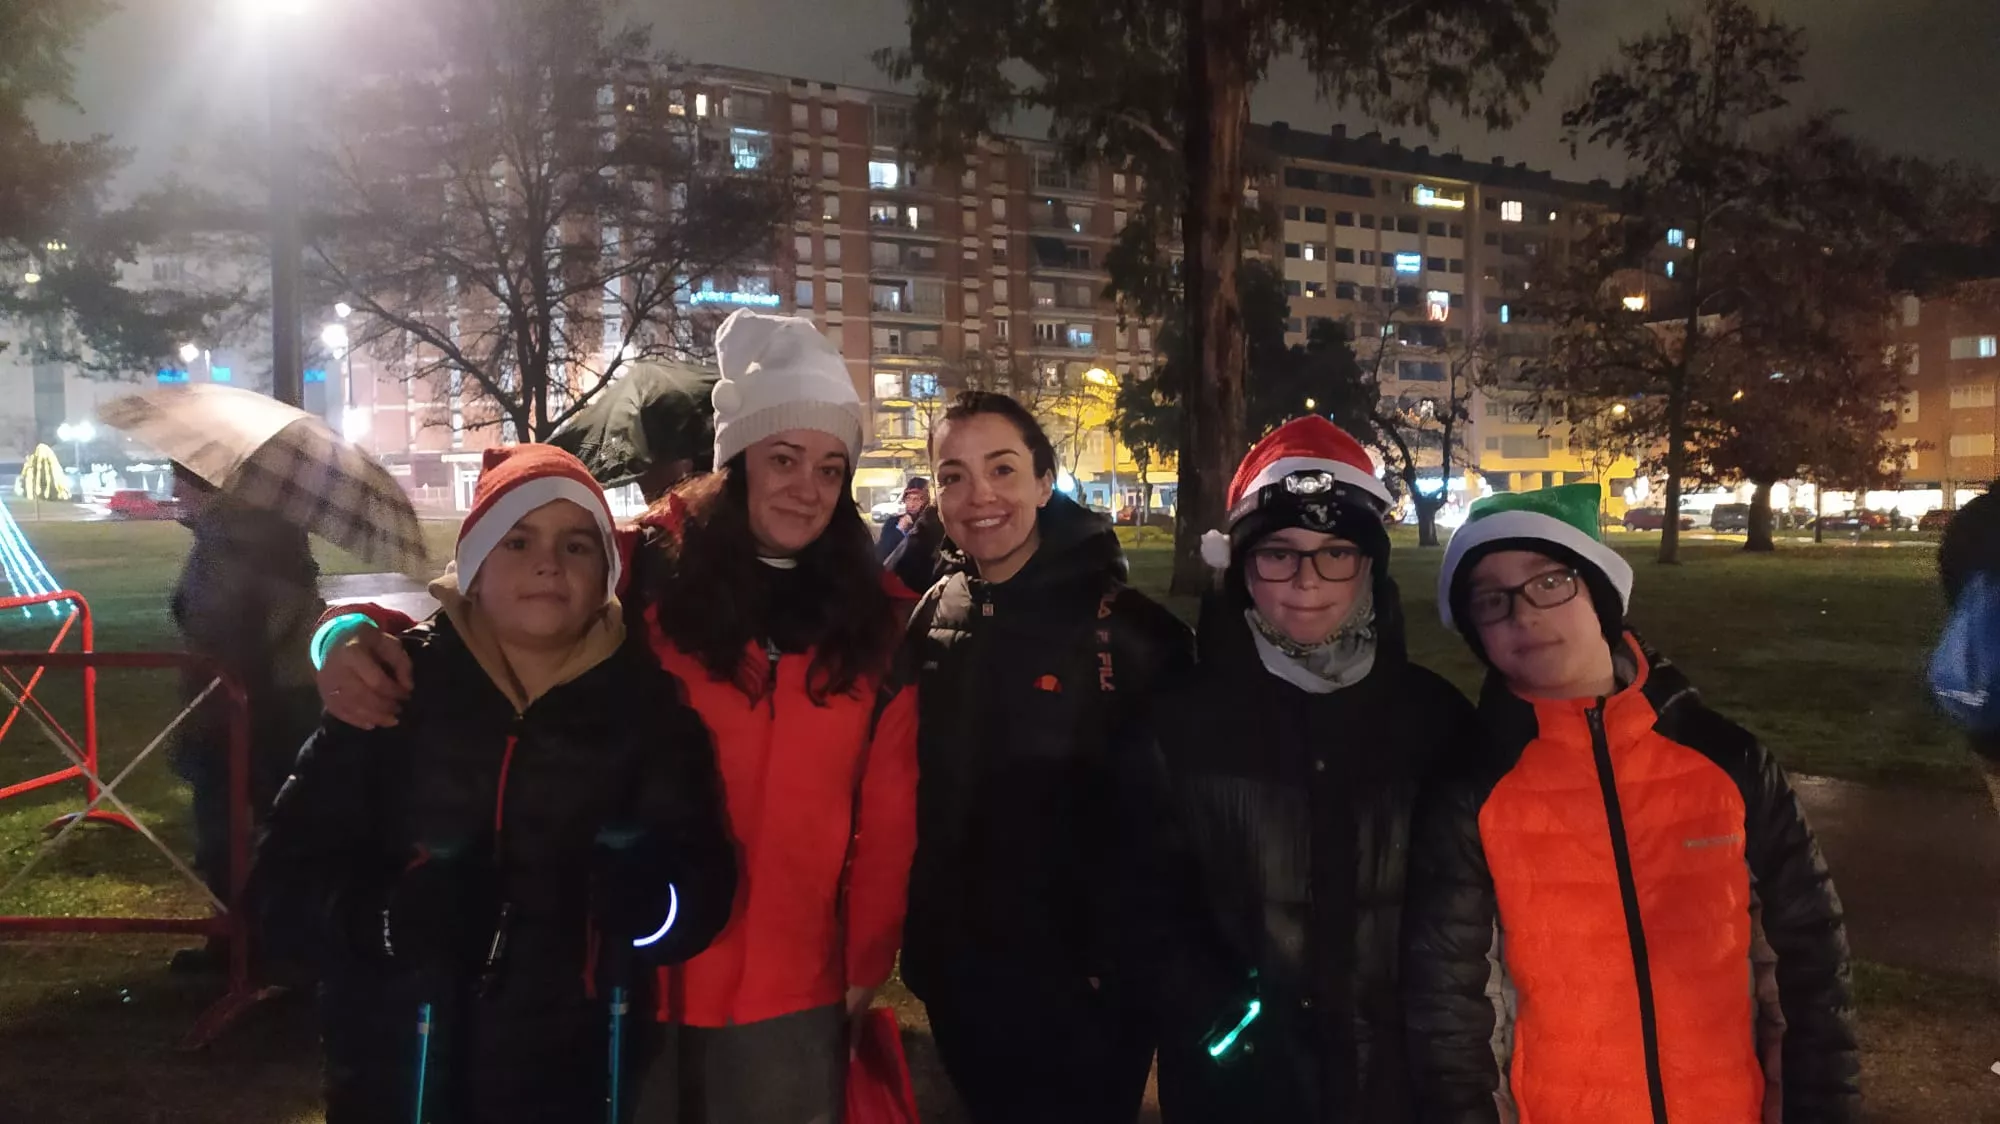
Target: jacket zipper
x=496 y=948
x=1635 y=929
x=771 y=679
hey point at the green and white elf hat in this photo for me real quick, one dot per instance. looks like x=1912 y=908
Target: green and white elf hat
x=1558 y=521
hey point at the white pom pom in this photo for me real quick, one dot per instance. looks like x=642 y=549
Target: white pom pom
x=1215 y=550
x=726 y=397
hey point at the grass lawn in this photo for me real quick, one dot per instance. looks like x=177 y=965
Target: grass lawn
x=1817 y=649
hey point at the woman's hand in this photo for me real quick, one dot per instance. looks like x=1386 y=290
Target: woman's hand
x=366 y=678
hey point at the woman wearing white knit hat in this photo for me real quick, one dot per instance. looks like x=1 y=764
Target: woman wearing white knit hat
x=758 y=586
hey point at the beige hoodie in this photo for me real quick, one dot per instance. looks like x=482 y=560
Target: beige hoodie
x=598 y=643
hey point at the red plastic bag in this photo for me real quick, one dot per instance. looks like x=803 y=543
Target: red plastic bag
x=878 y=1075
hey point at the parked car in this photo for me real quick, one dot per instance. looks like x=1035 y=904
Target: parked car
x=1866 y=521
x=1935 y=520
x=1730 y=518
x=886 y=510
x=132 y=503
x=1653 y=519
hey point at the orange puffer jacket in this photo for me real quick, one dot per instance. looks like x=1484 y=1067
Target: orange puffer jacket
x=1622 y=918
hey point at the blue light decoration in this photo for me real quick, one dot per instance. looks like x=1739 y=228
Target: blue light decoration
x=1677 y=237
x=169 y=374
x=1409 y=263
x=315 y=374
x=26 y=574
x=715 y=296
x=221 y=374
x=1506 y=313
x=1670 y=269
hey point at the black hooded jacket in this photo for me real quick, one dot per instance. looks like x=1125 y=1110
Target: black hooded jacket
x=1032 y=693
x=521 y=804
x=1284 y=862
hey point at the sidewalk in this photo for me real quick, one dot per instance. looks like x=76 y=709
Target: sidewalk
x=1918 y=872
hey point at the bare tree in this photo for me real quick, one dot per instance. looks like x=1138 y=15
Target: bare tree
x=536 y=210
x=1419 y=427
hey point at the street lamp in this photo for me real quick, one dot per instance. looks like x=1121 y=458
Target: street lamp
x=189 y=353
x=336 y=339
x=343 y=310
x=1618 y=411
x=78 y=435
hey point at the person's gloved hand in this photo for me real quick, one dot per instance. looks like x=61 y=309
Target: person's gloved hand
x=634 y=902
x=439 y=912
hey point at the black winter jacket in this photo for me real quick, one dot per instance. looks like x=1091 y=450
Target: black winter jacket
x=1972 y=545
x=1289 y=818
x=1031 y=697
x=524 y=801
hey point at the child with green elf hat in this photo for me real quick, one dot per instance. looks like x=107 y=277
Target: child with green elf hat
x=1631 y=867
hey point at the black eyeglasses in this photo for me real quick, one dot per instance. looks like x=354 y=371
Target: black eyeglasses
x=1543 y=591
x=1281 y=564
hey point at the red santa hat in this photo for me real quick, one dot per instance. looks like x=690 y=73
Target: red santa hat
x=1309 y=465
x=515 y=480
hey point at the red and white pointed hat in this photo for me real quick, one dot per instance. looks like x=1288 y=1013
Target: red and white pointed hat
x=1308 y=459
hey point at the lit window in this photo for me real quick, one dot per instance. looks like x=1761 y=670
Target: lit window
x=923 y=385
x=701 y=105
x=748 y=151
x=1506 y=313
x=677 y=103
x=1512 y=210
x=1670 y=269
x=1315 y=251
x=1438 y=303
x=1409 y=263
x=829 y=208
x=884 y=174
x=1677 y=237
x=1975 y=347
x=1635 y=303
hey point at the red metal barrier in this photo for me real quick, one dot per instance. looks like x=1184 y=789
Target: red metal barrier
x=23 y=695
x=227 y=921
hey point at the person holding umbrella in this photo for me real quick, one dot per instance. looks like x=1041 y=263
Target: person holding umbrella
x=1037 y=662
x=758 y=587
x=475 y=884
x=1291 y=759
x=248 y=600
x=254 y=476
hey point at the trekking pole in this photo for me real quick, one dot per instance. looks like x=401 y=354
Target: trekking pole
x=424 y=1013
x=620 y=1004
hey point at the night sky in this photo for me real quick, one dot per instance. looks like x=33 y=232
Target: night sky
x=1914 y=75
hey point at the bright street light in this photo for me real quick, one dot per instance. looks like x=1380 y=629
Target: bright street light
x=189 y=353
x=82 y=431
x=343 y=310
x=1311 y=405
x=334 y=336
x=1618 y=411
x=31 y=277
x=1100 y=376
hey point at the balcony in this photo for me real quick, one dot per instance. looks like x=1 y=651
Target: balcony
x=892 y=257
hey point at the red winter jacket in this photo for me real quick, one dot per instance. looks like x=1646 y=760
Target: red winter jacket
x=789 y=773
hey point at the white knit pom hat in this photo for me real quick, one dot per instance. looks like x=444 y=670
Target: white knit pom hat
x=780 y=373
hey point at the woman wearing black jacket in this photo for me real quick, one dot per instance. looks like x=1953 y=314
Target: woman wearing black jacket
x=1034 y=662
x=1293 y=758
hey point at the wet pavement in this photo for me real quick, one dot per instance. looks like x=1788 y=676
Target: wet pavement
x=1918 y=871
x=390 y=591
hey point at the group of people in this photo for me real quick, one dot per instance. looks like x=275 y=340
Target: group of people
x=726 y=766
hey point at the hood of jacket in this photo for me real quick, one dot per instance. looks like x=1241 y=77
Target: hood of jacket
x=599 y=642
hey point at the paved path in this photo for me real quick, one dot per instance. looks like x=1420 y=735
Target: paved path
x=391 y=591
x=1918 y=870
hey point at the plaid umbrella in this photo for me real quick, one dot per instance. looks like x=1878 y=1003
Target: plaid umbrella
x=283 y=460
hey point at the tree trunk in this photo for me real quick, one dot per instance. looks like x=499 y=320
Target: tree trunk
x=1819 y=513
x=1212 y=417
x=1427 y=517
x=1760 y=521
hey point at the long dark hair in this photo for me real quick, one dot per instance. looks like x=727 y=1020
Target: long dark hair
x=712 y=606
x=972 y=403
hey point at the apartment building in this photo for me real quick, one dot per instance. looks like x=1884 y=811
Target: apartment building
x=990 y=272
x=1426 y=258
x=1950 y=412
